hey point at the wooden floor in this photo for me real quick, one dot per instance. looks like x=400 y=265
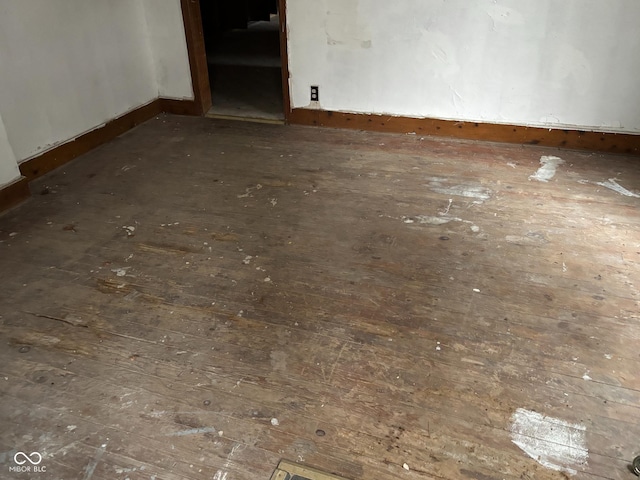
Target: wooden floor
x=200 y=299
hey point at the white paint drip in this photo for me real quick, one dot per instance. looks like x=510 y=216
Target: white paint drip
x=62 y=451
x=192 y=431
x=248 y=191
x=531 y=238
x=157 y=414
x=222 y=473
x=446 y=212
x=553 y=443
x=429 y=220
x=443 y=219
x=120 y=272
x=611 y=184
x=469 y=191
x=124 y=470
x=547 y=170
x=91 y=466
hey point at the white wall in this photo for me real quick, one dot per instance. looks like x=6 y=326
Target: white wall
x=549 y=63
x=8 y=164
x=69 y=66
x=169 y=48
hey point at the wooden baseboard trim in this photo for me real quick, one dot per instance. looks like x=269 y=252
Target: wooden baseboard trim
x=14 y=193
x=58 y=156
x=35 y=167
x=180 y=107
x=574 y=139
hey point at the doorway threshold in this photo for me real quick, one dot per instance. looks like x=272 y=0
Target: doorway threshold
x=243 y=118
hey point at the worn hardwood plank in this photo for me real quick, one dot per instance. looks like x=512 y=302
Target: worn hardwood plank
x=405 y=295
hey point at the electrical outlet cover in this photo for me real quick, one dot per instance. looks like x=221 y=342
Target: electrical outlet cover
x=315 y=93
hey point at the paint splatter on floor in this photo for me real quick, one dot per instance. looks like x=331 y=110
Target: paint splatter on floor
x=548 y=166
x=612 y=184
x=432 y=220
x=476 y=192
x=551 y=442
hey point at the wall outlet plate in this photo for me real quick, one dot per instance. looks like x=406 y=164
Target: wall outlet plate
x=315 y=93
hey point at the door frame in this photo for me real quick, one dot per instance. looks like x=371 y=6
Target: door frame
x=192 y=18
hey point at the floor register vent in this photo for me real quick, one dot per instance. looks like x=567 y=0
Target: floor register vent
x=294 y=471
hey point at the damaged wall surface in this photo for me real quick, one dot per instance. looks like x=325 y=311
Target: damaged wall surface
x=550 y=63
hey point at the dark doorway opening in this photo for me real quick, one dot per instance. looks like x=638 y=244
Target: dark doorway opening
x=242 y=43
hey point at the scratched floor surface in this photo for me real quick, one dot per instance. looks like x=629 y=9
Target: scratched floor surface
x=199 y=299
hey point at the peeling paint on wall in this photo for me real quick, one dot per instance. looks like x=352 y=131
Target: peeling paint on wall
x=344 y=26
x=506 y=62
